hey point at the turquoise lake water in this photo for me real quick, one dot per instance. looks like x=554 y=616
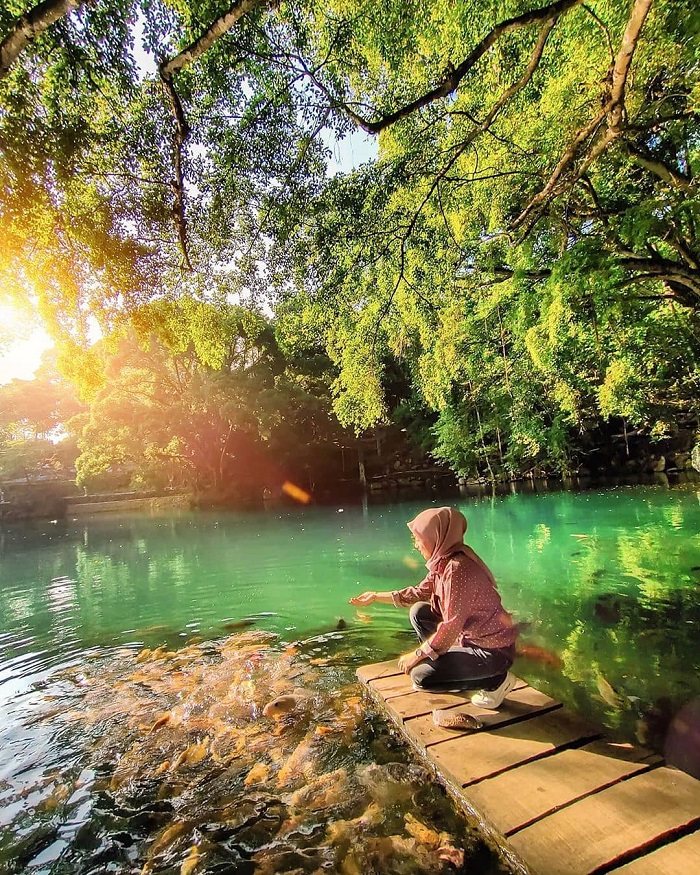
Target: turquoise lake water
x=605 y=584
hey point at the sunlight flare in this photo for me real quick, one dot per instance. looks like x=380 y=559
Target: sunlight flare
x=296 y=492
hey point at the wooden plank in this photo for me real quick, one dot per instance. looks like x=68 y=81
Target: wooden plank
x=405 y=707
x=599 y=828
x=367 y=673
x=395 y=685
x=567 y=803
x=681 y=856
x=521 y=704
x=480 y=755
x=517 y=797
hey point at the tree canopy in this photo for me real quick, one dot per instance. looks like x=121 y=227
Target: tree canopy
x=33 y=416
x=524 y=249
x=200 y=396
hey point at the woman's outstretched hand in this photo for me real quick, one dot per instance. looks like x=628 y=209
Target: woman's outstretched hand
x=365 y=598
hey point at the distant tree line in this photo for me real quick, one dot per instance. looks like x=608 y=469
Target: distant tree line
x=185 y=396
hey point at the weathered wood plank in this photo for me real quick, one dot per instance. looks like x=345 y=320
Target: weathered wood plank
x=472 y=758
x=394 y=685
x=520 y=704
x=367 y=673
x=515 y=798
x=681 y=856
x=567 y=803
x=405 y=707
x=599 y=828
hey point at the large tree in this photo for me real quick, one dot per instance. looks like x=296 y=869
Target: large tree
x=527 y=242
x=33 y=418
x=200 y=396
x=525 y=246
x=140 y=144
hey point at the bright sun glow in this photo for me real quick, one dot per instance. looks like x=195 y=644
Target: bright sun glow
x=24 y=342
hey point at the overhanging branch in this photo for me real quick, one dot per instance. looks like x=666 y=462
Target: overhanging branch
x=617 y=112
x=451 y=81
x=682 y=281
x=29 y=26
x=658 y=168
x=611 y=119
x=167 y=69
x=491 y=115
x=182 y=131
x=216 y=29
x=581 y=136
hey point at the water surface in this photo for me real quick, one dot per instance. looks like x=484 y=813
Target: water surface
x=604 y=583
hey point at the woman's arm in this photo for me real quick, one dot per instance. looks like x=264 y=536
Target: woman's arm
x=404 y=598
x=366 y=598
x=401 y=598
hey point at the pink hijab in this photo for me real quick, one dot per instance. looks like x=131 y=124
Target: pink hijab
x=441 y=530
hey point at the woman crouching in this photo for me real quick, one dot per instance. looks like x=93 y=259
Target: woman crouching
x=467 y=638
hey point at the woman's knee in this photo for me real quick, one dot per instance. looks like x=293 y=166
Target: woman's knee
x=423 y=619
x=423 y=675
x=420 y=611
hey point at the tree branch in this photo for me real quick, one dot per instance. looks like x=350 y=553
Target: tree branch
x=570 y=153
x=617 y=113
x=182 y=131
x=673 y=274
x=217 y=29
x=167 y=69
x=491 y=115
x=451 y=81
x=646 y=160
x=613 y=114
x=606 y=31
x=683 y=249
x=29 y=26
x=501 y=274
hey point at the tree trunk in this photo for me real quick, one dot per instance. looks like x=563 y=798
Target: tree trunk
x=361 y=466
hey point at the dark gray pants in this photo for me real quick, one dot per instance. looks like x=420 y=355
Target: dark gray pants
x=466 y=668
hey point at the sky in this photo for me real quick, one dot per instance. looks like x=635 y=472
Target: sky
x=354 y=149
x=23 y=345
x=23 y=358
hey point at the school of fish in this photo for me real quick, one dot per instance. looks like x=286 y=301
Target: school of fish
x=232 y=754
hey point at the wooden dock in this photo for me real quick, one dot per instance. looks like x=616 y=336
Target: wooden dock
x=552 y=793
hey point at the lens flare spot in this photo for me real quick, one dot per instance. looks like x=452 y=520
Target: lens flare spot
x=410 y=562
x=296 y=492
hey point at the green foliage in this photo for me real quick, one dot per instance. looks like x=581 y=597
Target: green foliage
x=198 y=395
x=523 y=337
x=27 y=459
x=523 y=253
x=37 y=408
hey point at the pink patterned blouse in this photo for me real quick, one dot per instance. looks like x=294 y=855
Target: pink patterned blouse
x=470 y=607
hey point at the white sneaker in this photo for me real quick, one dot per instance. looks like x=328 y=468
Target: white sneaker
x=492 y=699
